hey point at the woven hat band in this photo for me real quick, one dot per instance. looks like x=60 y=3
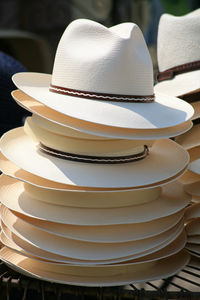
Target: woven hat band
x=100 y=96
x=94 y=159
x=184 y=68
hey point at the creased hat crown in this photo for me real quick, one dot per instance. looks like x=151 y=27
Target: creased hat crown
x=91 y=57
x=178 y=40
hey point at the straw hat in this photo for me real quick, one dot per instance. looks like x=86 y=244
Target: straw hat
x=104 y=76
x=82 y=129
x=85 y=250
x=96 y=276
x=172 y=199
x=189 y=177
x=103 y=233
x=29 y=157
x=52 y=137
x=190 y=139
x=83 y=198
x=12 y=241
x=178 y=48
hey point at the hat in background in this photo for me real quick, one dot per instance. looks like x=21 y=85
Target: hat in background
x=178 y=51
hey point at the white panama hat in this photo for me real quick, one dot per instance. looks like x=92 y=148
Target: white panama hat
x=13 y=171
x=178 y=48
x=88 y=250
x=104 y=76
x=90 y=277
x=133 y=174
x=103 y=233
x=172 y=200
x=14 y=242
x=82 y=198
x=69 y=126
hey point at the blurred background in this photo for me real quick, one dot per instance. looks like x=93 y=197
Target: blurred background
x=30 y=31
x=30 y=28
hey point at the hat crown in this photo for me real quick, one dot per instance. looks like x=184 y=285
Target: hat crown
x=178 y=40
x=93 y=58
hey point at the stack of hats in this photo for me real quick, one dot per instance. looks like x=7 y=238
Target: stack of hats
x=179 y=64
x=90 y=193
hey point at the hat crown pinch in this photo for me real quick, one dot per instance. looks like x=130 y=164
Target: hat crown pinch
x=91 y=57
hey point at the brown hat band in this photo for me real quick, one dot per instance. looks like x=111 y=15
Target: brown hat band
x=100 y=96
x=184 y=68
x=94 y=159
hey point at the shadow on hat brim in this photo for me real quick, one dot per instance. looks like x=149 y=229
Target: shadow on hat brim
x=79 y=128
x=10 y=169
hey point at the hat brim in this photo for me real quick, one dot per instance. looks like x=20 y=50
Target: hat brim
x=172 y=200
x=190 y=139
x=83 y=198
x=82 y=129
x=88 y=250
x=180 y=85
x=163 y=268
x=11 y=170
x=165 y=111
x=105 y=233
x=195 y=166
x=196 y=107
x=12 y=241
x=140 y=173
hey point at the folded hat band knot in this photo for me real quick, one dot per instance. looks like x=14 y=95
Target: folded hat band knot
x=94 y=159
x=100 y=96
x=184 y=68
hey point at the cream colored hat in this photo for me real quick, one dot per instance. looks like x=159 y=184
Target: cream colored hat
x=106 y=234
x=104 y=76
x=30 y=158
x=190 y=139
x=178 y=54
x=95 y=276
x=84 y=250
x=44 y=116
x=12 y=241
x=83 y=198
x=172 y=199
x=10 y=169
